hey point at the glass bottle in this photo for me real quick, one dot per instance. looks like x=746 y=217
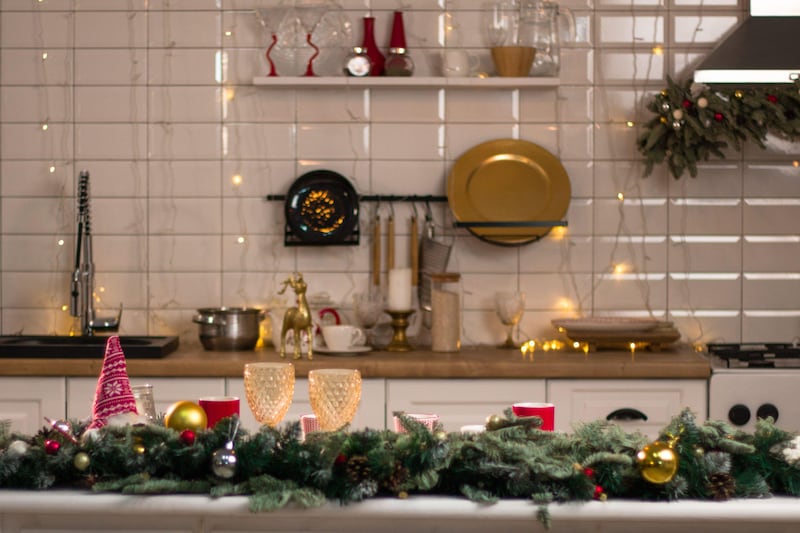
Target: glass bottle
x=398 y=62
x=445 y=312
x=371 y=47
x=357 y=63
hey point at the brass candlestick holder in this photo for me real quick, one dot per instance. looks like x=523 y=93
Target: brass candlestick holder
x=399 y=342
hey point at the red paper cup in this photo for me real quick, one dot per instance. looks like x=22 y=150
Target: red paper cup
x=545 y=411
x=427 y=420
x=219 y=407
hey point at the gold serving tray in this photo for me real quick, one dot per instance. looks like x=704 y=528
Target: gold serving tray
x=506 y=181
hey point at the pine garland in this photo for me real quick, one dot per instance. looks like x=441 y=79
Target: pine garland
x=694 y=122
x=512 y=459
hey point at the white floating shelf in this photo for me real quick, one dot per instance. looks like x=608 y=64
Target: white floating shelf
x=399 y=81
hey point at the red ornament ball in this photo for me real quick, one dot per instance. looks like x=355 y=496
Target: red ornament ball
x=589 y=472
x=188 y=437
x=718 y=117
x=772 y=98
x=341 y=459
x=599 y=493
x=686 y=104
x=52 y=446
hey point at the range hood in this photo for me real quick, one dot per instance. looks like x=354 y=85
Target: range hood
x=763 y=49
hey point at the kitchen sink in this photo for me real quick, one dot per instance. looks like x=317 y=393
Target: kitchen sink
x=84 y=347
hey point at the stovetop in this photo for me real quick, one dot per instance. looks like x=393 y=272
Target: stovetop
x=756 y=355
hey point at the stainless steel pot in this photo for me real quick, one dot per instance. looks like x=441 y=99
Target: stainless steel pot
x=229 y=329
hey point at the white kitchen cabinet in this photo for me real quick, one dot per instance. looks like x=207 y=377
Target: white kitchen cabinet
x=649 y=404
x=460 y=402
x=370 y=412
x=166 y=391
x=25 y=401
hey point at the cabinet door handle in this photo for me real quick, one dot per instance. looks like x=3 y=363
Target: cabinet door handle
x=626 y=413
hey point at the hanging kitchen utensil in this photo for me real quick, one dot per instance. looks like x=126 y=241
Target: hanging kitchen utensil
x=434 y=256
x=321 y=208
x=390 y=240
x=376 y=247
x=414 y=245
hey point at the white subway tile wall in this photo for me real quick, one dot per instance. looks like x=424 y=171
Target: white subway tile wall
x=157 y=100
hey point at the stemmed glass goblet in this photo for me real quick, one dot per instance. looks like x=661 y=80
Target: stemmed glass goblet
x=271 y=20
x=510 y=305
x=335 y=394
x=368 y=308
x=269 y=388
x=310 y=13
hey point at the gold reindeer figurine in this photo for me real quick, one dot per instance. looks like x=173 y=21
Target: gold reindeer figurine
x=298 y=318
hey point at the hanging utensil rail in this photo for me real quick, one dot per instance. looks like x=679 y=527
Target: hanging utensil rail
x=433 y=198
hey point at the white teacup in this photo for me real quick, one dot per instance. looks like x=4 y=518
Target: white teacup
x=341 y=337
x=458 y=63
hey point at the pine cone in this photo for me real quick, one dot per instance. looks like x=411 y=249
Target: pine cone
x=722 y=486
x=396 y=479
x=357 y=469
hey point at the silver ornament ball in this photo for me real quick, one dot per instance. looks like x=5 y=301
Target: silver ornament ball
x=223 y=463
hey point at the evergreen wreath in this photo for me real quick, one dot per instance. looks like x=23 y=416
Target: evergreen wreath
x=513 y=458
x=694 y=122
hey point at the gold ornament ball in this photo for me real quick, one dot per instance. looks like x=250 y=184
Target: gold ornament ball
x=657 y=462
x=81 y=461
x=738 y=94
x=185 y=415
x=494 y=422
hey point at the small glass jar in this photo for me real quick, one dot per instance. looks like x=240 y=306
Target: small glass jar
x=398 y=63
x=357 y=63
x=145 y=403
x=445 y=312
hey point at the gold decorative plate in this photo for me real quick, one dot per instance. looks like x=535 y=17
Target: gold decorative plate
x=506 y=181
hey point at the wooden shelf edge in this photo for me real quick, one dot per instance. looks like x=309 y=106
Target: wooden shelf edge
x=400 y=82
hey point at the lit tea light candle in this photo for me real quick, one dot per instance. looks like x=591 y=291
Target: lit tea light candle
x=399 y=297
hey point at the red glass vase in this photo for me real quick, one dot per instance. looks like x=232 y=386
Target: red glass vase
x=398 y=39
x=371 y=47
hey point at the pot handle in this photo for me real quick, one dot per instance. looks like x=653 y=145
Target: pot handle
x=208 y=319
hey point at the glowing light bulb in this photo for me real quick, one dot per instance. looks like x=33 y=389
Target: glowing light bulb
x=630 y=124
x=230 y=94
x=620 y=196
x=44 y=56
x=60 y=242
x=44 y=127
x=228 y=33
x=236 y=180
x=658 y=51
x=101 y=289
x=240 y=239
x=65 y=307
x=619 y=268
x=52 y=169
x=576 y=344
x=796 y=164
x=632 y=346
x=558 y=232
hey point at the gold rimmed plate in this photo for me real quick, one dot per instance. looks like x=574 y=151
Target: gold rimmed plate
x=506 y=187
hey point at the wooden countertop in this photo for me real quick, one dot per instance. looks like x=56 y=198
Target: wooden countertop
x=472 y=362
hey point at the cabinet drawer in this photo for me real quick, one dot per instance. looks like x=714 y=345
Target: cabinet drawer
x=460 y=402
x=657 y=400
x=24 y=402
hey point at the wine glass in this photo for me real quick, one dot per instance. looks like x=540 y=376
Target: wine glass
x=368 y=308
x=335 y=394
x=501 y=23
x=509 y=306
x=269 y=388
x=271 y=20
x=310 y=13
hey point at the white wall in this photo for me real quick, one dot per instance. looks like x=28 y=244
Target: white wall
x=129 y=90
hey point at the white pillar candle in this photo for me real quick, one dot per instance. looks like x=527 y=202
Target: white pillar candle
x=399 y=289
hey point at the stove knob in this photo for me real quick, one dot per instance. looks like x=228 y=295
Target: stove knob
x=739 y=415
x=767 y=410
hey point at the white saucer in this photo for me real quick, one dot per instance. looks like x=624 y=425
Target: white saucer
x=349 y=351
